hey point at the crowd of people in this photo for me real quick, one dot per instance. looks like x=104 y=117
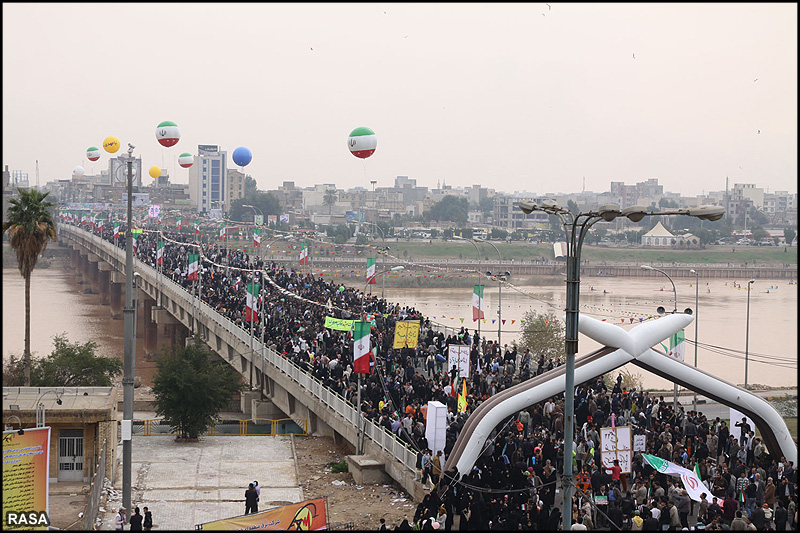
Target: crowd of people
x=515 y=481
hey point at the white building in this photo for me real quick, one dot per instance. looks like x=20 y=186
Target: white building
x=661 y=237
x=207 y=177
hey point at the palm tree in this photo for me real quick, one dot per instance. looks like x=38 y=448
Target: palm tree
x=329 y=199
x=29 y=226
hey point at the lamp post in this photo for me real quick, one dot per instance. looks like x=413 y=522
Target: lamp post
x=696 y=308
x=500 y=279
x=40 y=407
x=249 y=265
x=358 y=397
x=747 y=335
x=129 y=357
x=480 y=298
x=580 y=224
x=674 y=310
x=9 y=428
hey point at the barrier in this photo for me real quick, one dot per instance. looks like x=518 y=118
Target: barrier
x=226 y=426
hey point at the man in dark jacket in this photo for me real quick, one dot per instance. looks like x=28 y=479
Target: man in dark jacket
x=781 y=516
x=757 y=517
x=250 y=500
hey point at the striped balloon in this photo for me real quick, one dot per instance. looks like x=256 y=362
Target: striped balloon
x=186 y=160
x=362 y=142
x=168 y=134
x=93 y=153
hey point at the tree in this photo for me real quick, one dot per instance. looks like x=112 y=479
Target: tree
x=29 y=226
x=543 y=334
x=330 y=199
x=68 y=365
x=788 y=235
x=191 y=389
x=250 y=186
x=451 y=209
x=265 y=202
x=759 y=233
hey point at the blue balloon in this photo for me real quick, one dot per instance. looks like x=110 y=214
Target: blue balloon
x=242 y=156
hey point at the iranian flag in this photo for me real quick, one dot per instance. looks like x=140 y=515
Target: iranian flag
x=691 y=482
x=477 y=303
x=178 y=224
x=133 y=241
x=222 y=233
x=371 y=270
x=196 y=228
x=194 y=267
x=252 y=298
x=160 y=254
x=116 y=230
x=303 y=253
x=361 y=331
x=100 y=223
x=257 y=237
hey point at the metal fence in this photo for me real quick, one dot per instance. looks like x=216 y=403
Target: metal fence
x=226 y=426
x=93 y=504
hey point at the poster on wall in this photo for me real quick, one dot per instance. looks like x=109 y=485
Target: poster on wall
x=26 y=482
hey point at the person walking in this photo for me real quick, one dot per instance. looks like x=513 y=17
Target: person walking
x=119 y=519
x=148 y=519
x=136 y=520
x=258 y=491
x=250 y=500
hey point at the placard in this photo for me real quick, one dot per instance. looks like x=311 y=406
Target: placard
x=458 y=355
x=639 y=443
x=615 y=443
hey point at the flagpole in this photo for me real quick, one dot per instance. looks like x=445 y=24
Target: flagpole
x=263 y=340
x=252 y=312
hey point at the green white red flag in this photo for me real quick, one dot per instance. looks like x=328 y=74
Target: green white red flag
x=252 y=299
x=194 y=267
x=361 y=330
x=477 y=303
x=691 y=481
x=303 y=253
x=178 y=224
x=371 y=270
x=257 y=237
x=222 y=233
x=160 y=254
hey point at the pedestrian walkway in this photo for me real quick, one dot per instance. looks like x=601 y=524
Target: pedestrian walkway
x=184 y=484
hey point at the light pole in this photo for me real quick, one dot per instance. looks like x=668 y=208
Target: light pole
x=129 y=357
x=500 y=279
x=252 y=310
x=747 y=335
x=358 y=396
x=580 y=224
x=480 y=296
x=674 y=310
x=40 y=407
x=696 y=308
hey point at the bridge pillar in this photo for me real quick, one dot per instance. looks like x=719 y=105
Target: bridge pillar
x=116 y=299
x=105 y=287
x=74 y=260
x=94 y=276
x=150 y=330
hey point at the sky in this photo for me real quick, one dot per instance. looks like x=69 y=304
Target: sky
x=534 y=97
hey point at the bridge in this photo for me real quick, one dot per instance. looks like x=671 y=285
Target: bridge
x=279 y=386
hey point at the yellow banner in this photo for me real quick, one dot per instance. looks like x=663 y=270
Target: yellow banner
x=406 y=333
x=304 y=516
x=26 y=459
x=338 y=323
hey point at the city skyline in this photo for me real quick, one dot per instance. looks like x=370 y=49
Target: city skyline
x=513 y=97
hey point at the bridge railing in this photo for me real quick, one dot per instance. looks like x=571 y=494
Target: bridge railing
x=387 y=441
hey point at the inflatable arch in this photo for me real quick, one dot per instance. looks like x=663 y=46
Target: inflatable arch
x=621 y=347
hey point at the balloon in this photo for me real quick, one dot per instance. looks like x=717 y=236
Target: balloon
x=167 y=133
x=242 y=156
x=362 y=142
x=186 y=160
x=111 y=144
x=155 y=172
x=93 y=153
x=77 y=172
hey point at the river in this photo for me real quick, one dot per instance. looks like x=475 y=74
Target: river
x=60 y=305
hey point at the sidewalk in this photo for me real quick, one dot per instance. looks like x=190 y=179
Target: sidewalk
x=184 y=484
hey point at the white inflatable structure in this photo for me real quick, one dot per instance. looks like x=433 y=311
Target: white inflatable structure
x=622 y=347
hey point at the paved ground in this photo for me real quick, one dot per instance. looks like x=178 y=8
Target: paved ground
x=185 y=484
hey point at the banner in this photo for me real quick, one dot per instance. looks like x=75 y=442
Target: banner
x=458 y=356
x=462 y=397
x=477 y=303
x=361 y=332
x=691 y=482
x=371 y=270
x=406 y=333
x=677 y=345
x=272 y=219
x=26 y=459
x=303 y=253
x=309 y=515
x=338 y=323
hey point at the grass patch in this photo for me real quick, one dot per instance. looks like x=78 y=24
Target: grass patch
x=338 y=468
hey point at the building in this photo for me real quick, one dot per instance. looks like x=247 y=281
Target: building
x=661 y=237
x=81 y=426
x=207 y=179
x=235 y=185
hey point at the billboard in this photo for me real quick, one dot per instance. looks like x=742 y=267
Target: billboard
x=26 y=484
x=309 y=515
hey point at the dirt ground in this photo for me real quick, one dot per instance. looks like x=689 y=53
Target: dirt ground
x=363 y=506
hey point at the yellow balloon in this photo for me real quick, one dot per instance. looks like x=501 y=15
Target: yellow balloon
x=155 y=172
x=111 y=144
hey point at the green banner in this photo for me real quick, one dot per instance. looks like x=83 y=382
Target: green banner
x=338 y=323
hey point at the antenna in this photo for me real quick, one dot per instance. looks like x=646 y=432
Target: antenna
x=584 y=184
x=37 y=173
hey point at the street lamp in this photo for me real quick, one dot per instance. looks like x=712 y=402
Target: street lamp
x=9 y=428
x=40 y=406
x=358 y=397
x=500 y=280
x=747 y=335
x=129 y=355
x=696 y=307
x=249 y=266
x=480 y=298
x=580 y=225
x=661 y=311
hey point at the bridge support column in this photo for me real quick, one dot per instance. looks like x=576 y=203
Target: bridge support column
x=74 y=260
x=150 y=331
x=105 y=287
x=116 y=299
x=94 y=276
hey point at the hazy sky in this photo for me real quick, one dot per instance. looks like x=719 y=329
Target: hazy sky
x=509 y=96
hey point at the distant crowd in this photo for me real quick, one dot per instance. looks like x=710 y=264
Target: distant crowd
x=514 y=483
